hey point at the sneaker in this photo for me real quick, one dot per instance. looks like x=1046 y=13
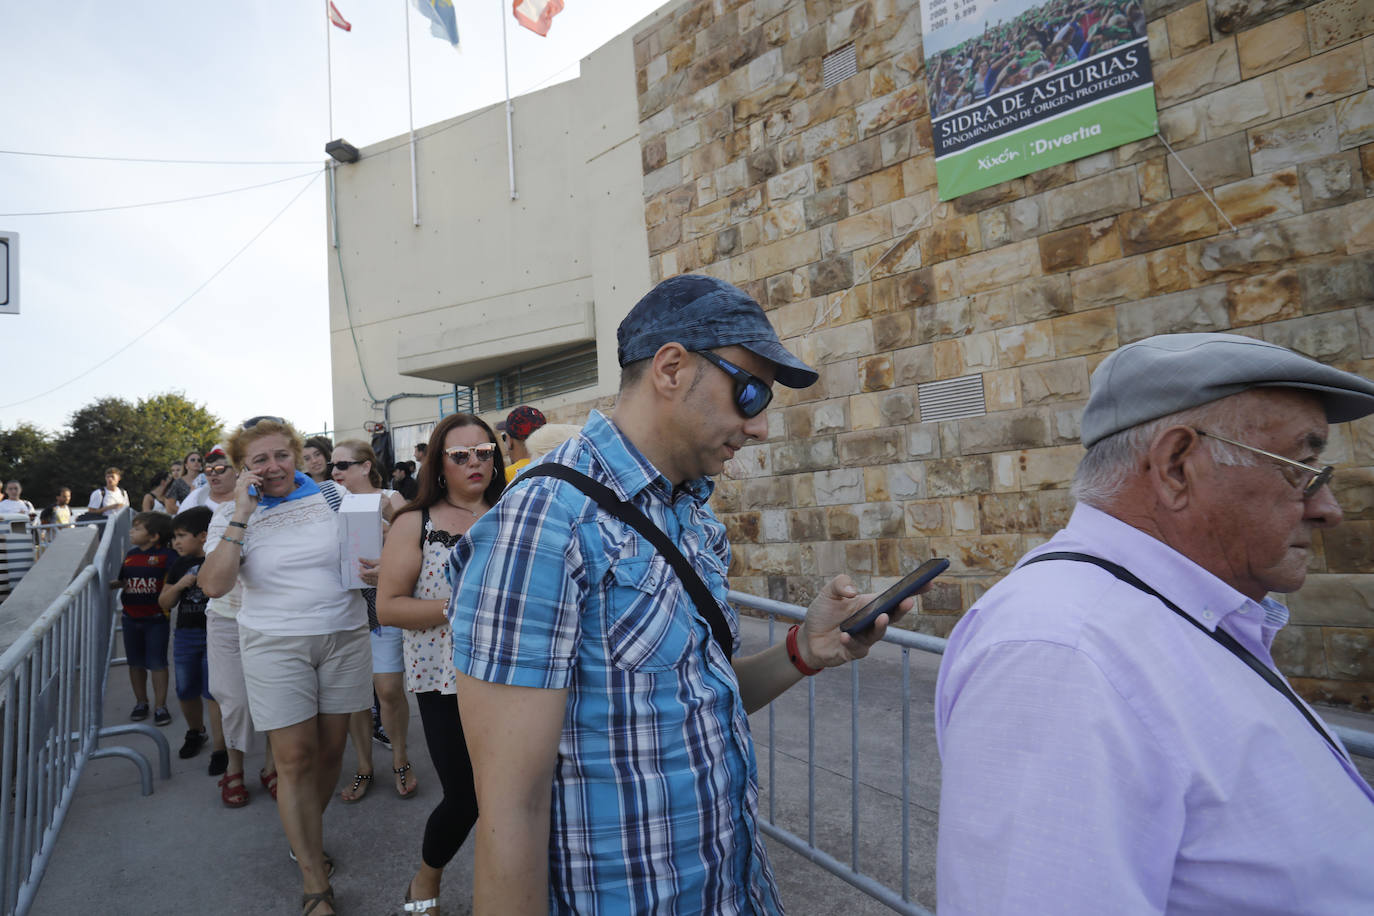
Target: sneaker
x=219 y=762
x=140 y=712
x=161 y=716
x=195 y=740
x=380 y=736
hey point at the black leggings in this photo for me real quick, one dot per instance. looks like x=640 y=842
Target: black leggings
x=452 y=819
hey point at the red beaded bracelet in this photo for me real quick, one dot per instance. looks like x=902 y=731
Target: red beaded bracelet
x=795 y=654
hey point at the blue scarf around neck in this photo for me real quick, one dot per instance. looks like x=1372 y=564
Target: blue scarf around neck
x=304 y=487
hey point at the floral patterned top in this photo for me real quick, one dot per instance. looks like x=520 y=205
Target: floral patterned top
x=429 y=652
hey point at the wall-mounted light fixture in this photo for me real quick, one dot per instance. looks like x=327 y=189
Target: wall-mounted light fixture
x=342 y=151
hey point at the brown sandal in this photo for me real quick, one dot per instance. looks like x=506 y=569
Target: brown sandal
x=310 y=901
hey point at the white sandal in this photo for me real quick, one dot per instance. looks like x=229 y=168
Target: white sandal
x=420 y=906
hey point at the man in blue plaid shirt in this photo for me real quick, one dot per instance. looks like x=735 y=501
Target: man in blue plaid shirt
x=608 y=730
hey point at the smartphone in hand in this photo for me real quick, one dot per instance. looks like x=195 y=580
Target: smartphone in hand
x=887 y=602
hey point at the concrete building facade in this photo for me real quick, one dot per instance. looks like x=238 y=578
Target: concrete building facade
x=820 y=200
x=485 y=283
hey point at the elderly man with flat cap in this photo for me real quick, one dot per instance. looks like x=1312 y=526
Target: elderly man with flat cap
x=603 y=704
x=1115 y=737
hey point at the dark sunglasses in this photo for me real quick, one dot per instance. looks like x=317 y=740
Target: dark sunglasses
x=477 y=453
x=752 y=394
x=249 y=424
x=215 y=470
x=344 y=465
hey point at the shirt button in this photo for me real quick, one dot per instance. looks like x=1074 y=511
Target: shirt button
x=1207 y=614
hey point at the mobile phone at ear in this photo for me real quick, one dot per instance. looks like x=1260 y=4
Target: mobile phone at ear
x=887 y=602
x=252 y=490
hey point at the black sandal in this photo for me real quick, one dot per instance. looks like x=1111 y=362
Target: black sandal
x=414 y=786
x=359 y=779
x=310 y=901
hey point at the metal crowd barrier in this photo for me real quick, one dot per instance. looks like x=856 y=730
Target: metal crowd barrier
x=45 y=534
x=1357 y=741
x=52 y=687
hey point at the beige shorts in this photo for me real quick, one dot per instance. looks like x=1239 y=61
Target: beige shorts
x=226 y=680
x=294 y=678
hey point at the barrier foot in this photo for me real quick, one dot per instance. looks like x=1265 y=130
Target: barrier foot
x=164 y=750
x=145 y=771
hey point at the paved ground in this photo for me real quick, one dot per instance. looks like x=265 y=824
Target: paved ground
x=181 y=852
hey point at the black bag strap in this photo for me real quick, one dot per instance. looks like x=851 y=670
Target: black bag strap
x=631 y=515
x=1220 y=635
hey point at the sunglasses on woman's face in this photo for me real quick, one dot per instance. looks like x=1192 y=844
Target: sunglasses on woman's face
x=215 y=470
x=345 y=465
x=478 y=454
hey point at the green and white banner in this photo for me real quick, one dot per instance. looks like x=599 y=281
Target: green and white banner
x=1057 y=81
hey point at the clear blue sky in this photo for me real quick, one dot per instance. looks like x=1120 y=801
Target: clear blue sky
x=218 y=81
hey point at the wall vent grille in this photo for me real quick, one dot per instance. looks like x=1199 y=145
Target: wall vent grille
x=838 y=65
x=952 y=399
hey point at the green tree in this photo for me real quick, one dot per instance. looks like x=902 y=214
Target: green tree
x=140 y=439
x=26 y=456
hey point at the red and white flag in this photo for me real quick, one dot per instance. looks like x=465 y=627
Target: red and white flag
x=536 y=15
x=337 y=18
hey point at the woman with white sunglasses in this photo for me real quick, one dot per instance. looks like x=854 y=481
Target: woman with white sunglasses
x=462 y=477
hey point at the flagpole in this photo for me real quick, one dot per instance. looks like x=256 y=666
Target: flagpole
x=410 y=103
x=510 y=142
x=329 y=90
x=329 y=68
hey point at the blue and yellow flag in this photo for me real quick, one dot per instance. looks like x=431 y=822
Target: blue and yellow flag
x=442 y=22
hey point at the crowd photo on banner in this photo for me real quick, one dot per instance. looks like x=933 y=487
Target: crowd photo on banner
x=1039 y=41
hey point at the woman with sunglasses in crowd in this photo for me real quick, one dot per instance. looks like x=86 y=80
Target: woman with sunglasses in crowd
x=357 y=470
x=461 y=478
x=307 y=663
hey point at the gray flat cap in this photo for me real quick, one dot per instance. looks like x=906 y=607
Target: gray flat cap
x=1159 y=375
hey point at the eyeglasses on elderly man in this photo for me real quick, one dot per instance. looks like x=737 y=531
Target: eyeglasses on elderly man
x=1293 y=471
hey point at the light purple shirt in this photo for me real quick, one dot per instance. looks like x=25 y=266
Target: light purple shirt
x=1100 y=755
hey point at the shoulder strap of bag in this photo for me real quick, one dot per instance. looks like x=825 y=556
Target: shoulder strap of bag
x=1220 y=635
x=632 y=516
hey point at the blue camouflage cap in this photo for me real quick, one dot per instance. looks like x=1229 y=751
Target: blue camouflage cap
x=702 y=313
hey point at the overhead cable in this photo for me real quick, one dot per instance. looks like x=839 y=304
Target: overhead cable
x=20 y=152
x=91 y=158
x=144 y=333
x=158 y=203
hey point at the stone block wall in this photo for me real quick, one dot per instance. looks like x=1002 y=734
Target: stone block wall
x=821 y=202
